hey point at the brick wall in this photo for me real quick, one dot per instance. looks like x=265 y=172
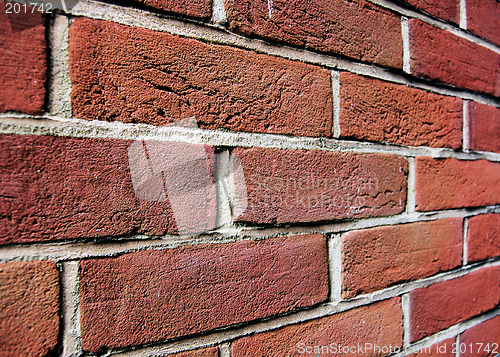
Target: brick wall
x=226 y=178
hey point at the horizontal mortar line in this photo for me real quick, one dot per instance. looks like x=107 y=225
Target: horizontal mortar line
x=68 y=251
x=79 y=128
x=272 y=323
x=439 y=23
x=217 y=35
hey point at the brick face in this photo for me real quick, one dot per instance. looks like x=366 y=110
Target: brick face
x=380 y=324
x=379 y=257
x=374 y=110
x=29 y=307
x=441 y=349
x=448 y=10
x=68 y=188
x=483 y=240
x=440 y=55
x=193 y=8
x=204 y=352
x=290 y=186
x=157 y=295
x=452 y=183
x=137 y=75
x=355 y=29
x=23 y=57
x=482 y=340
x=483 y=18
x=484 y=127
x=444 y=304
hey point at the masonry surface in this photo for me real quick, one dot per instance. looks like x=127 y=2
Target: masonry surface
x=217 y=178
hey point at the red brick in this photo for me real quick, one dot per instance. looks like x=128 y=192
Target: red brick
x=374 y=110
x=379 y=324
x=67 y=188
x=29 y=307
x=482 y=340
x=451 y=183
x=137 y=75
x=192 y=8
x=441 y=349
x=24 y=62
x=440 y=55
x=483 y=239
x=445 y=9
x=379 y=257
x=156 y=295
x=483 y=18
x=204 y=352
x=289 y=186
x=357 y=29
x=447 y=303
x=484 y=127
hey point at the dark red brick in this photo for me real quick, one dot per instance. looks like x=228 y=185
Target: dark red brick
x=444 y=304
x=67 y=188
x=138 y=75
x=451 y=183
x=24 y=62
x=290 y=186
x=441 y=349
x=484 y=127
x=204 y=352
x=448 y=10
x=482 y=340
x=29 y=308
x=192 y=8
x=357 y=29
x=156 y=295
x=483 y=237
x=379 y=257
x=483 y=18
x=374 y=110
x=379 y=324
x=440 y=55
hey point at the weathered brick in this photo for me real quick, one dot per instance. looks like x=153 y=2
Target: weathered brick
x=357 y=29
x=138 y=75
x=29 y=307
x=440 y=55
x=204 y=352
x=24 y=63
x=482 y=340
x=192 y=8
x=483 y=18
x=379 y=257
x=484 y=127
x=445 y=9
x=161 y=294
x=379 y=324
x=289 y=186
x=374 y=110
x=66 y=188
x=483 y=237
x=441 y=349
x=447 y=303
x=452 y=183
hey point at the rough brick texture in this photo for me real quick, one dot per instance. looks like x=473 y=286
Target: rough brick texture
x=482 y=340
x=193 y=8
x=444 y=304
x=484 y=127
x=137 y=75
x=205 y=352
x=452 y=183
x=156 y=295
x=23 y=62
x=448 y=10
x=67 y=188
x=306 y=186
x=379 y=257
x=380 y=324
x=440 y=349
x=483 y=18
x=440 y=55
x=483 y=237
x=29 y=307
x=356 y=29
x=374 y=110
